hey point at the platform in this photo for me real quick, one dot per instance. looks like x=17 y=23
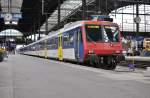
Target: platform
x=138 y=58
x=31 y=77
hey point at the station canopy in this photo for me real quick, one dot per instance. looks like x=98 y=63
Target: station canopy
x=124 y=16
x=33 y=21
x=68 y=8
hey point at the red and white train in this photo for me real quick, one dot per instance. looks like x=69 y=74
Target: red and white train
x=94 y=42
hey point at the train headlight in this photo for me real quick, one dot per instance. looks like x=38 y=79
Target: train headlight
x=117 y=51
x=91 y=51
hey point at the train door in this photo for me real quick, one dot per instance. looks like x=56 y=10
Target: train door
x=45 y=49
x=79 y=45
x=60 y=50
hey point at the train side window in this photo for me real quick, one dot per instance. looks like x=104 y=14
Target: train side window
x=53 y=43
x=71 y=38
x=65 y=37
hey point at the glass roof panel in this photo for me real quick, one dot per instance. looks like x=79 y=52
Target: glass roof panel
x=126 y=21
x=66 y=9
x=14 y=4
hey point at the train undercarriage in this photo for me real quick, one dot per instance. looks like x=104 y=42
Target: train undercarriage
x=108 y=62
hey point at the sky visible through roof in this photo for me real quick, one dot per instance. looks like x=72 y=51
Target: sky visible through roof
x=126 y=21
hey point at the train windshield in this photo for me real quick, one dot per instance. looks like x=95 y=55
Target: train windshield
x=111 y=34
x=93 y=33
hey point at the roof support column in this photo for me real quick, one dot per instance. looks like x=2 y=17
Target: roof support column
x=137 y=15
x=145 y=17
x=39 y=22
x=98 y=4
x=34 y=36
x=26 y=40
x=46 y=25
x=34 y=32
x=106 y=4
x=39 y=35
x=42 y=7
x=83 y=9
x=31 y=37
x=59 y=13
x=122 y=19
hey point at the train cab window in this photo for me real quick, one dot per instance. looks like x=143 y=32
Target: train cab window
x=111 y=34
x=93 y=33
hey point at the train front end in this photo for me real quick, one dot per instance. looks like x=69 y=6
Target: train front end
x=102 y=44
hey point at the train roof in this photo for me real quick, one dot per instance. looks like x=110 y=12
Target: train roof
x=68 y=27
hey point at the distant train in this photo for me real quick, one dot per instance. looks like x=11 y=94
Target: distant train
x=93 y=42
x=146 y=44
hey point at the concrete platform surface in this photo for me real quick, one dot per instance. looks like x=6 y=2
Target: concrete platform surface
x=30 y=77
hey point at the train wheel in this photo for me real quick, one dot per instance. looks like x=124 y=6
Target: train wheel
x=1 y=58
x=109 y=63
x=113 y=65
x=94 y=60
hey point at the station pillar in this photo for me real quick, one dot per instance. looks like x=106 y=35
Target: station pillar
x=83 y=9
x=46 y=25
x=137 y=16
x=59 y=13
